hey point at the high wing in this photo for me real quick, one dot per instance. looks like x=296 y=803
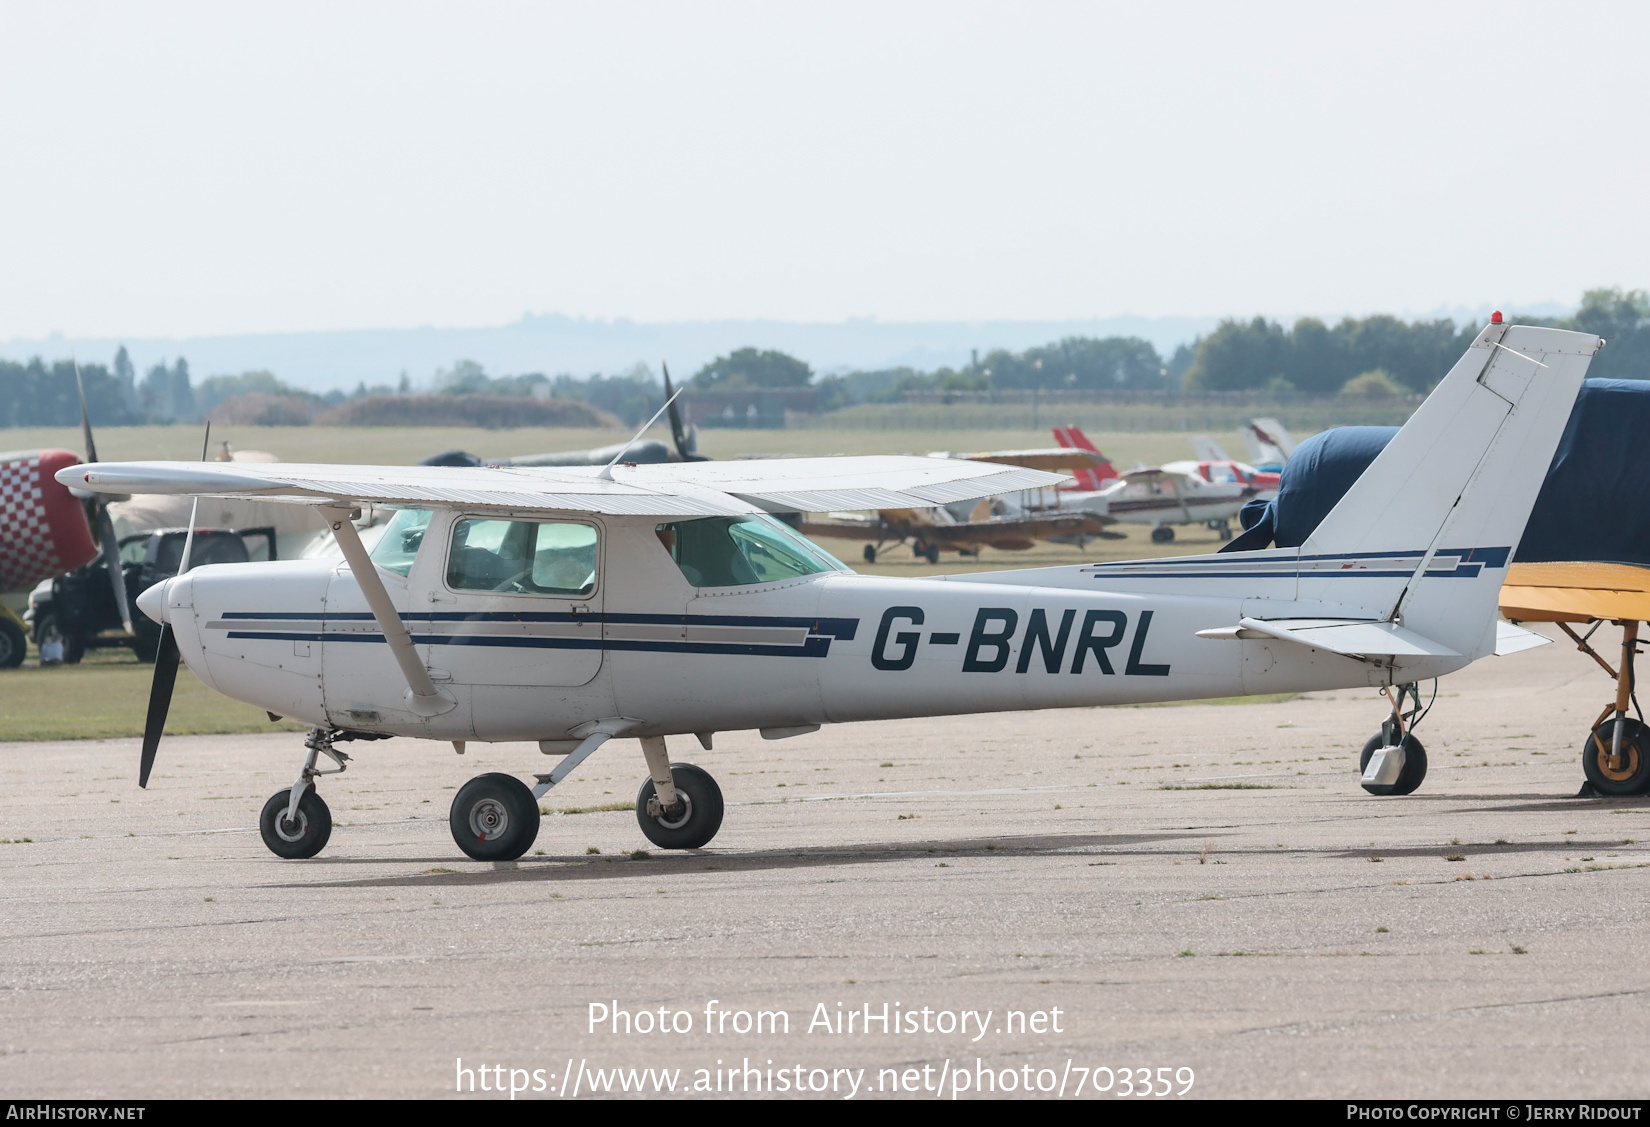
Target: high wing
x=672 y=489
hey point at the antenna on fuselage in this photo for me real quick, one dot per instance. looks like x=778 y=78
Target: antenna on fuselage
x=607 y=470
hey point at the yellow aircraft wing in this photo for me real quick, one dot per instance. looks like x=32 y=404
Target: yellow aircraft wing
x=1576 y=592
x=1054 y=458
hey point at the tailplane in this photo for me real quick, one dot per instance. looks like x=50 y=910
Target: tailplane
x=1430 y=525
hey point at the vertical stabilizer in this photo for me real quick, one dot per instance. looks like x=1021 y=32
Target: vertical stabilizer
x=1072 y=438
x=1430 y=525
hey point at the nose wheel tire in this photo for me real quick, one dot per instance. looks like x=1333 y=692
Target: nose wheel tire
x=304 y=836
x=494 y=818
x=695 y=818
x=1628 y=774
x=1409 y=778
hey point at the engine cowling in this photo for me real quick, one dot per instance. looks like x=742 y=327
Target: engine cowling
x=43 y=529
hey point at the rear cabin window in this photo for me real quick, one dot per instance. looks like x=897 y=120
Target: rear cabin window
x=736 y=551
x=522 y=557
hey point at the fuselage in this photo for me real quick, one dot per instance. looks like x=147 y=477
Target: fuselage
x=646 y=644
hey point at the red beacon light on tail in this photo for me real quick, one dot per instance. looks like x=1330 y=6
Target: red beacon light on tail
x=1495 y=318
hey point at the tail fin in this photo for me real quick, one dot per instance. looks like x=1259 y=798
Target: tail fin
x=1207 y=449
x=1072 y=437
x=1267 y=441
x=1431 y=524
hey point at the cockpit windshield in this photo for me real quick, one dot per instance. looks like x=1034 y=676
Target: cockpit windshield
x=398 y=546
x=735 y=551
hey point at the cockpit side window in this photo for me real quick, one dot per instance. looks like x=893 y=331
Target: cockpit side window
x=523 y=557
x=738 y=551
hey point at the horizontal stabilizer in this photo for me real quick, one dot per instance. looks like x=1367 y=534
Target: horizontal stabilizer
x=1510 y=639
x=1352 y=637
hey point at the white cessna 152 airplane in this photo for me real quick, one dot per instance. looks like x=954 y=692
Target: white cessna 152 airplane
x=575 y=605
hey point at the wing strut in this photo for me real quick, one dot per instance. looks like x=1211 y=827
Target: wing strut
x=422 y=695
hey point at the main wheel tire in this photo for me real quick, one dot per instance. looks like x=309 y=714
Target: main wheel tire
x=870 y=553
x=297 y=841
x=1162 y=534
x=1632 y=776
x=931 y=554
x=1414 y=769
x=494 y=817
x=679 y=828
x=13 y=644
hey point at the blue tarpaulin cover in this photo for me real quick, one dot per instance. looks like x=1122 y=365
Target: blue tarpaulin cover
x=1594 y=506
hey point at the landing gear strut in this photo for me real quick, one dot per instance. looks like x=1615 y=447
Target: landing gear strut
x=1616 y=755
x=296 y=823
x=680 y=805
x=1393 y=761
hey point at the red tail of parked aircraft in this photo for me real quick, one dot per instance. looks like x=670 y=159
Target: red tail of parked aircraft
x=1073 y=438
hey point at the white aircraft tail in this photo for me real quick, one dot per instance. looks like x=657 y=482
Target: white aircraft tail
x=1207 y=449
x=1430 y=526
x=1267 y=441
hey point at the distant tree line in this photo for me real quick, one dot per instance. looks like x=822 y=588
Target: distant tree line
x=1385 y=354
x=1372 y=356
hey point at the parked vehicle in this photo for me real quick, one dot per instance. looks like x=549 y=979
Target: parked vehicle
x=73 y=613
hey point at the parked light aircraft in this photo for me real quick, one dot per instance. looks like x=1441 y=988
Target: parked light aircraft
x=1161 y=496
x=49 y=526
x=573 y=606
x=965 y=527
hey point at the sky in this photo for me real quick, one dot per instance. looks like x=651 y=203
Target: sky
x=177 y=169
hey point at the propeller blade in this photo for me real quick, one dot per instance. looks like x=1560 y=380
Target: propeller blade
x=111 y=563
x=85 y=419
x=160 y=700
x=678 y=436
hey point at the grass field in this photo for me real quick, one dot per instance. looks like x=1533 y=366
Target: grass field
x=106 y=695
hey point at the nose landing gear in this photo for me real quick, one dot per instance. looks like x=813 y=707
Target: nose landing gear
x=296 y=823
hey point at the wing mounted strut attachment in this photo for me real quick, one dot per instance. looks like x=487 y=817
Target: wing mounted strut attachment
x=422 y=695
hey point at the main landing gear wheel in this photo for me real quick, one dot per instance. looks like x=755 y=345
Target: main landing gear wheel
x=870 y=553
x=1162 y=534
x=1414 y=769
x=931 y=554
x=304 y=836
x=1627 y=774
x=695 y=818
x=494 y=817
x=13 y=644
